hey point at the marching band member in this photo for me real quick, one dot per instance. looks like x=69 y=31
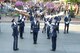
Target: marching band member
x=48 y=23
x=36 y=27
x=31 y=20
x=67 y=20
x=53 y=31
x=45 y=20
x=48 y=29
x=21 y=25
x=15 y=35
x=57 y=22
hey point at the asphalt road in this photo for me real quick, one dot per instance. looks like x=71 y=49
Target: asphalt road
x=66 y=43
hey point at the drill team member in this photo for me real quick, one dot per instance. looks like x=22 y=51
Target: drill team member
x=21 y=27
x=53 y=36
x=67 y=22
x=36 y=27
x=15 y=35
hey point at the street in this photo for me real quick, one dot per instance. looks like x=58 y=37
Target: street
x=66 y=43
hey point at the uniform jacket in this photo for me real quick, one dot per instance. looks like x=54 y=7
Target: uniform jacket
x=67 y=20
x=54 y=31
x=36 y=26
x=15 y=29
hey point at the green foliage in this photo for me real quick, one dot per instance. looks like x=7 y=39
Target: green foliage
x=46 y=0
x=25 y=0
x=74 y=1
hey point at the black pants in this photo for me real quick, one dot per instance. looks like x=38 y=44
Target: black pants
x=66 y=28
x=35 y=35
x=21 y=31
x=53 y=43
x=58 y=27
x=0 y=17
x=48 y=34
x=31 y=27
x=15 y=43
x=44 y=28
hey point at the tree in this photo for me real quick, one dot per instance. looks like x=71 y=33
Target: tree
x=6 y=0
x=25 y=0
x=46 y=0
x=74 y=1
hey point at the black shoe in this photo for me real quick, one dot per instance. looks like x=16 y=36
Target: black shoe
x=53 y=50
x=67 y=32
x=42 y=31
x=21 y=37
x=31 y=32
x=16 y=49
x=34 y=43
x=64 y=32
x=48 y=38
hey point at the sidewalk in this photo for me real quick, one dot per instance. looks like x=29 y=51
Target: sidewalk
x=8 y=19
